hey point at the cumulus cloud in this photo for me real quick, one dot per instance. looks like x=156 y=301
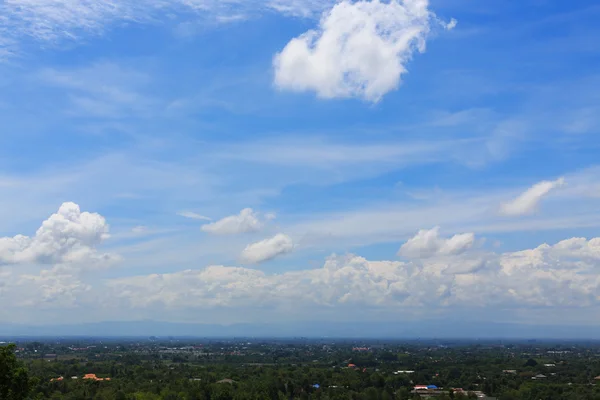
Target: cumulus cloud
x=428 y=243
x=51 y=288
x=246 y=221
x=564 y=274
x=267 y=249
x=528 y=201
x=561 y=275
x=360 y=49
x=193 y=215
x=342 y=280
x=68 y=236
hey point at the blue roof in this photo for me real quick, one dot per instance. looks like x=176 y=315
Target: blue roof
x=431 y=387
x=316 y=386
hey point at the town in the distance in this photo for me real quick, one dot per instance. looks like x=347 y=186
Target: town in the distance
x=171 y=368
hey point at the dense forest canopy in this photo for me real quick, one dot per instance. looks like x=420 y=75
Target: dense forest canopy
x=14 y=379
x=219 y=370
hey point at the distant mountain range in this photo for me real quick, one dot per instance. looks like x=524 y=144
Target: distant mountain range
x=429 y=329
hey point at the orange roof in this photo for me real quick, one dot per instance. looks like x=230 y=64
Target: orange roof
x=94 y=377
x=60 y=378
x=351 y=365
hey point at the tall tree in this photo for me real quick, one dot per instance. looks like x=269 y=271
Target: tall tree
x=14 y=378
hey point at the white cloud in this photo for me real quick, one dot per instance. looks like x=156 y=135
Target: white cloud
x=246 y=221
x=562 y=275
x=53 y=21
x=193 y=215
x=68 y=236
x=317 y=161
x=550 y=276
x=583 y=121
x=360 y=49
x=139 y=230
x=300 y=8
x=102 y=89
x=528 y=201
x=343 y=279
x=427 y=243
x=50 y=289
x=270 y=216
x=452 y=24
x=225 y=19
x=576 y=206
x=313 y=152
x=267 y=249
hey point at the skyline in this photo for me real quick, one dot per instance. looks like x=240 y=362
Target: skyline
x=294 y=160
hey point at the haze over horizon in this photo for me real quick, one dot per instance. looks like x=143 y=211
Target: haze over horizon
x=280 y=163
x=437 y=329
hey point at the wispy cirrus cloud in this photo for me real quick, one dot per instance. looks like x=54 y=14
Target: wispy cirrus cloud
x=300 y=8
x=102 y=89
x=55 y=21
x=193 y=215
x=528 y=201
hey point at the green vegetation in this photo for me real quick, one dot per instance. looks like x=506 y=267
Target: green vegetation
x=238 y=370
x=14 y=379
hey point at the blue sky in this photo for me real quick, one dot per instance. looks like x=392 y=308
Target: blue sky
x=299 y=158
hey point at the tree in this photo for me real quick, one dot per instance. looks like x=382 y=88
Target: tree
x=14 y=379
x=530 y=363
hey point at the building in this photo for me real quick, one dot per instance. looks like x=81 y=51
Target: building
x=93 y=377
x=481 y=395
x=427 y=391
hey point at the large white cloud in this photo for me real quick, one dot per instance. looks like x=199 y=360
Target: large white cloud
x=267 y=249
x=68 y=236
x=360 y=49
x=528 y=201
x=428 y=243
x=246 y=221
x=224 y=286
x=562 y=275
x=442 y=274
